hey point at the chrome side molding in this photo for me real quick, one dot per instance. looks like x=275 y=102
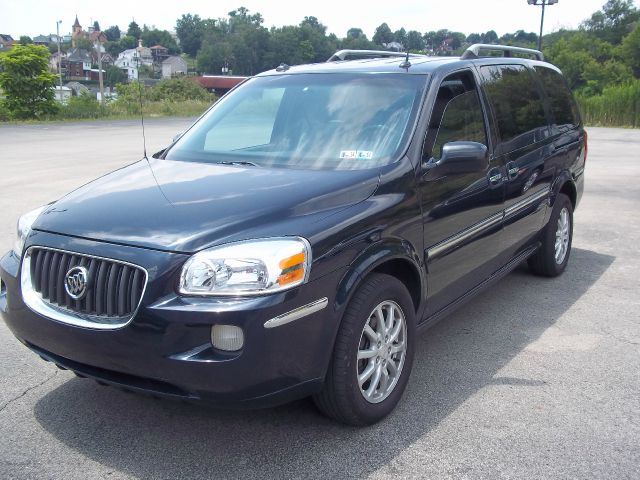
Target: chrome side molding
x=297 y=313
x=526 y=202
x=484 y=225
x=464 y=235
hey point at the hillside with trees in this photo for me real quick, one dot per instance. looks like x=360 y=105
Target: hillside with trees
x=600 y=59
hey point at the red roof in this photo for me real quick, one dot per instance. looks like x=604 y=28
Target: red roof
x=98 y=35
x=219 y=81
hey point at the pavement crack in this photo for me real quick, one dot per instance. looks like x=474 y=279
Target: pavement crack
x=18 y=397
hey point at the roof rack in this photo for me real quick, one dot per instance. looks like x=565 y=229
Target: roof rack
x=360 y=54
x=474 y=51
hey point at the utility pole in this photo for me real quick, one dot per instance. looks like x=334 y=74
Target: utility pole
x=543 y=3
x=100 y=80
x=59 y=57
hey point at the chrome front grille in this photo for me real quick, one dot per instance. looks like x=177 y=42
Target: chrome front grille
x=113 y=292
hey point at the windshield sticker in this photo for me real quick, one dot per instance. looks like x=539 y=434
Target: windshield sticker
x=356 y=154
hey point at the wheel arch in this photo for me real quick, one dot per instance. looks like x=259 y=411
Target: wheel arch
x=565 y=184
x=394 y=257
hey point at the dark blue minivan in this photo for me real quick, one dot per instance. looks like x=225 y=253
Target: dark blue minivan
x=294 y=240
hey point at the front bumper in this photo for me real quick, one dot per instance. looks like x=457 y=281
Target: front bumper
x=166 y=348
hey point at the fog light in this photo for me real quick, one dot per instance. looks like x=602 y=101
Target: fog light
x=227 y=337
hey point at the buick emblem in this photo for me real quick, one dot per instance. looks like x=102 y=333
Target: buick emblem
x=76 y=281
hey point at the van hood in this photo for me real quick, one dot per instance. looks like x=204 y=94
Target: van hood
x=186 y=206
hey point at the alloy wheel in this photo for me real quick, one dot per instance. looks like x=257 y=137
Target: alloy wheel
x=562 y=236
x=381 y=351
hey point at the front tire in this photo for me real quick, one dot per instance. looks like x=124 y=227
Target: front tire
x=373 y=354
x=552 y=257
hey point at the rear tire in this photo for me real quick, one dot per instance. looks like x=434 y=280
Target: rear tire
x=368 y=350
x=552 y=257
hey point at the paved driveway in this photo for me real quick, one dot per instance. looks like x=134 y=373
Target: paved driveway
x=536 y=378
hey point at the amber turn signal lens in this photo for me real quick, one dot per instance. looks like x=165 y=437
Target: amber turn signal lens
x=292 y=261
x=290 y=277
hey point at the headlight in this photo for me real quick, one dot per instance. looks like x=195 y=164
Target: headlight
x=250 y=267
x=24 y=227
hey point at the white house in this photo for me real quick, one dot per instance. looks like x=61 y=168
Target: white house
x=173 y=66
x=130 y=60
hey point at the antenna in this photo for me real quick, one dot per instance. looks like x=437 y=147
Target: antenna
x=144 y=139
x=406 y=63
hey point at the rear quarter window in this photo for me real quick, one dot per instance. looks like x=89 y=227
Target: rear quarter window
x=517 y=105
x=563 y=106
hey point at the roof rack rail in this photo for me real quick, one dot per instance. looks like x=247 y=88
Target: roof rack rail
x=360 y=54
x=474 y=51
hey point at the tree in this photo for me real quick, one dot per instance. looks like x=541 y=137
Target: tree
x=26 y=81
x=114 y=75
x=159 y=37
x=284 y=46
x=355 y=33
x=631 y=50
x=134 y=30
x=25 y=40
x=614 y=21
x=414 y=41
x=579 y=55
x=383 y=35
x=357 y=40
x=314 y=32
x=113 y=33
x=96 y=26
x=490 y=37
x=597 y=75
x=84 y=43
x=456 y=39
x=190 y=30
x=474 y=38
x=212 y=57
x=400 y=36
x=127 y=42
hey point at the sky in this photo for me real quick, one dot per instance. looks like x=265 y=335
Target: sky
x=33 y=17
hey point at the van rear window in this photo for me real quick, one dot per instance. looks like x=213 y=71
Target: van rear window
x=563 y=107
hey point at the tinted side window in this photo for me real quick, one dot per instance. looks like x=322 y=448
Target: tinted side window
x=517 y=105
x=563 y=107
x=457 y=115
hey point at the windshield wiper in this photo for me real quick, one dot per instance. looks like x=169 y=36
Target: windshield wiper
x=250 y=164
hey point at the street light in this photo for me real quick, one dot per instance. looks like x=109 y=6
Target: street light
x=59 y=57
x=543 y=3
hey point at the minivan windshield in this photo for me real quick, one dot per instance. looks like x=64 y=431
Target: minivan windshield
x=338 y=121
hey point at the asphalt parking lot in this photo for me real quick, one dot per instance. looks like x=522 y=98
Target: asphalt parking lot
x=536 y=378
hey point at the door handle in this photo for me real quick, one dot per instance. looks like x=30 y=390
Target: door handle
x=512 y=170
x=495 y=177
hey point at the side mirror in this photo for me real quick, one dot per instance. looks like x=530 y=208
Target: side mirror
x=457 y=158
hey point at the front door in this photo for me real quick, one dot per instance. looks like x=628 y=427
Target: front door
x=462 y=213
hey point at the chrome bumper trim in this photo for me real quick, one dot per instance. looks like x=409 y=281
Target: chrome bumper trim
x=297 y=313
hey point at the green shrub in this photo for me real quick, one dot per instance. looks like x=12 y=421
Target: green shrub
x=618 y=105
x=179 y=89
x=174 y=97
x=82 y=106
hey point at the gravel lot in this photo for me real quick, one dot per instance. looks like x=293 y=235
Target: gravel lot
x=536 y=378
